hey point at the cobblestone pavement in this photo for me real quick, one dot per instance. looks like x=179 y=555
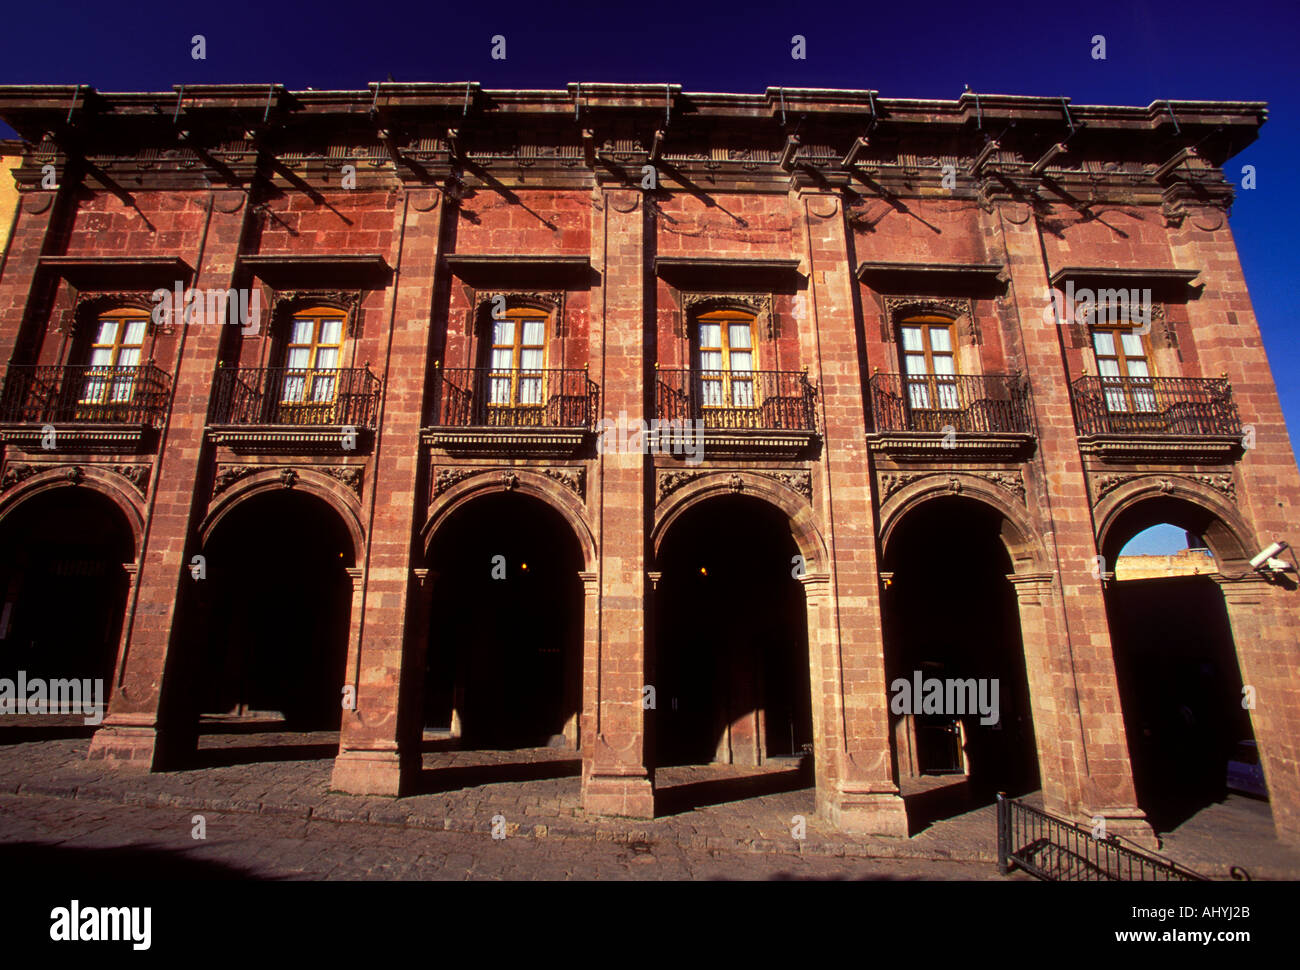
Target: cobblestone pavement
x=83 y=840
x=244 y=770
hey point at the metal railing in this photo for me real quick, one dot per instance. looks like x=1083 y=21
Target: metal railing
x=295 y=396
x=1057 y=850
x=466 y=397
x=89 y=394
x=1154 y=405
x=989 y=403
x=767 y=400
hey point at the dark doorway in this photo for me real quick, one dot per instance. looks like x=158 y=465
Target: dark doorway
x=730 y=659
x=276 y=606
x=1181 y=690
x=504 y=663
x=62 y=559
x=951 y=615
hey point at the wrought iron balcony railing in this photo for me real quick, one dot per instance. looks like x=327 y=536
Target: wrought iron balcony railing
x=472 y=397
x=1154 y=406
x=982 y=403
x=293 y=396
x=85 y=394
x=761 y=400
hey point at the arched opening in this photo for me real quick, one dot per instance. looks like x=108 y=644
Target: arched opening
x=960 y=711
x=1191 y=742
x=504 y=664
x=274 y=609
x=64 y=554
x=730 y=663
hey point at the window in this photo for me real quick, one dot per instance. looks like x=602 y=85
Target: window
x=114 y=355
x=929 y=364
x=517 y=360
x=726 y=356
x=312 y=356
x=1122 y=364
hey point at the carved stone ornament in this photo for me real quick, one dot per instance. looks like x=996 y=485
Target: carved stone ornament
x=1222 y=483
x=482 y=303
x=89 y=304
x=891 y=482
x=509 y=481
x=574 y=479
x=1008 y=481
x=16 y=473
x=670 y=482
x=445 y=478
x=958 y=308
x=288 y=477
x=349 y=475
x=227 y=475
x=137 y=475
x=759 y=304
x=286 y=302
x=799 y=481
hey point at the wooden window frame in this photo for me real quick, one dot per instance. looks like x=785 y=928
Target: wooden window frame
x=726 y=382
x=520 y=390
x=306 y=387
x=929 y=391
x=101 y=391
x=1124 y=398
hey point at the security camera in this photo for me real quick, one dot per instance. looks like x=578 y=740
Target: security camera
x=1266 y=560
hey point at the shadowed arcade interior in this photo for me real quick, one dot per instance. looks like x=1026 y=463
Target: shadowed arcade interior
x=62 y=554
x=275 y=608
x=503 y=669
x=1179 y=680
x=730 y=659
x=951 y=614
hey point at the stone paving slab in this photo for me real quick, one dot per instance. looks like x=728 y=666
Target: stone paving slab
x=549 y=808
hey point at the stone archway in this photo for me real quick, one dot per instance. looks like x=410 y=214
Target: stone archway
x=1183 y=647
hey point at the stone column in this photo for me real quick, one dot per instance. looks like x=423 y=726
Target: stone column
x=1264 y=629
x=615 y=777
x=856 y=787
x=377 y=753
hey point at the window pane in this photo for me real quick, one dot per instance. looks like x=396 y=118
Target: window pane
x=331 y=331
x=1138 y=368
x=944 y=365
x=107 y=332
x=739 y=335
x=534 y=332
x=530 y=391
x=299 y=358
x=711 y=360
x=741 y=362
x=302 y=330
x=1132 y=344
x=918 y=395
x=710 y=335
x=503 y=359
x=101 y=357
x=500 y=391
x=1105 y=343
x=503 y=332
x=912 y=338
x=1116 y=401
x=712 y=393
x=1108 y=368
x=742 y=394
x=915 y=363
x=940 y=339
x=1143 y=400
x=323 y=389
x=327 y=358
x=128 y=357
x=530 y=360
x=134 y=332
x=947 y=394
x=294 y=386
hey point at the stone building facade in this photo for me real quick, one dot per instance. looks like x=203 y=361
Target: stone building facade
x=399 y=471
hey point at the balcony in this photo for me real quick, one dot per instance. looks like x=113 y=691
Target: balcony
x=478 y=410
x=744 y=414
x=267 y=409
x=955 y=417
x=1157 y=418
x=90 y=408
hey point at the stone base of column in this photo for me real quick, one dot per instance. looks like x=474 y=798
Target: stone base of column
x=1128 y=823
x=126 y=743
x=628 y=795
x=368 y=772
x=868 y=813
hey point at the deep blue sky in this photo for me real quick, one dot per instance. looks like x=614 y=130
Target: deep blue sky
x=922 y=49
